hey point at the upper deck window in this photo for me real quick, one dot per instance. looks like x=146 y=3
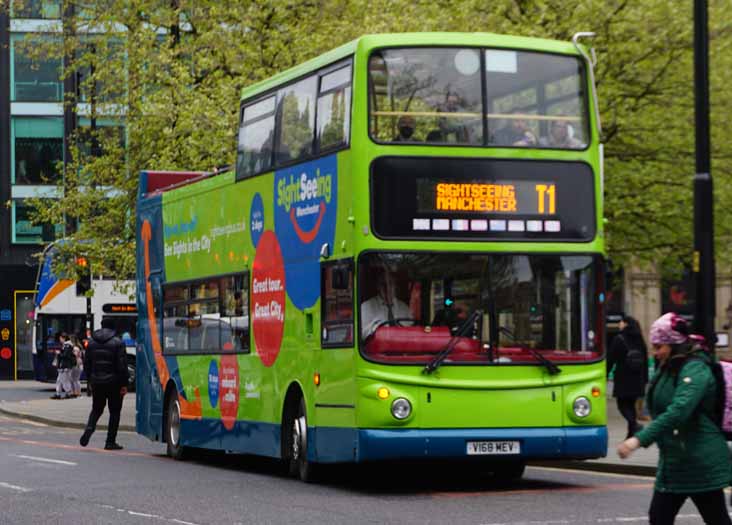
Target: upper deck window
x=535 y=100
x=254 y=153
x=297 y=116
x=334 y=104
x=428 y=95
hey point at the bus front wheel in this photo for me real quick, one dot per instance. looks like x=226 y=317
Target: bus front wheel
x=172 y=428
x=510 y=471
x=297 y=439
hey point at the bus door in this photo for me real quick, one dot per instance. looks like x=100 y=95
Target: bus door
x=48 y=328
x=335 y=397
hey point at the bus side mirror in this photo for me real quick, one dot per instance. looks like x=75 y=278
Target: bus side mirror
x=339 y=278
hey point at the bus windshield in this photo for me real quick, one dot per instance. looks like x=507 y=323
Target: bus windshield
x=434 y=95
x=414 y=303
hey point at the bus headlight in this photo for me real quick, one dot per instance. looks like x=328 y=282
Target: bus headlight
x=401 y=408
x=582 y=407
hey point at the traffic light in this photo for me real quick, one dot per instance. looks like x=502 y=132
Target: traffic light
x=83 y=283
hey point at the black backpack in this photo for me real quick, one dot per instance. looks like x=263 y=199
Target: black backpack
x=67 y=359
x=721 y=393
x=635 y=359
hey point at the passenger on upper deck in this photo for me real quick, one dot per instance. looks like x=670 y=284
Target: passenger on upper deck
x=560 y=136
x=406 y=125
x=449 y=129
x=515 y=133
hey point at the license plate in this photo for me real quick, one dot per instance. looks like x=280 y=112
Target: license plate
x=487 y=448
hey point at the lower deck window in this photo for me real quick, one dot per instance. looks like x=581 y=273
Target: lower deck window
x=207 y=316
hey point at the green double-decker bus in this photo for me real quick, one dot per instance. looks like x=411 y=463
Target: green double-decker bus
x=406 y=262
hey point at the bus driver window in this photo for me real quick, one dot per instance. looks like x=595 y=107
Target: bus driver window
x=383 y=307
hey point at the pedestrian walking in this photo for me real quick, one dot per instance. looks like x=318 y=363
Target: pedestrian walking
x=693 y=461
x=105 y=364
x=629 y=355
x=65 y=362
x=78 y=366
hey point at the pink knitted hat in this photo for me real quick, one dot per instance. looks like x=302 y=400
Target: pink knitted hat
x=668 y=330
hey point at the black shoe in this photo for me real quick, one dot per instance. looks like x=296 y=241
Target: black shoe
x=113 y=446
x=84 y=439
x=56 y=396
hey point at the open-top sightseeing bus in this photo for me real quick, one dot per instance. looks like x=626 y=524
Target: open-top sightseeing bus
x=407 y=262
x=62 y=306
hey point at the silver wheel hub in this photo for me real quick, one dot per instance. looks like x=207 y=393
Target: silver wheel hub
x=175 y=423
x=299 y=437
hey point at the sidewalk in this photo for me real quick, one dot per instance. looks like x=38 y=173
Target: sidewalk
x=73 y=413
x=70 y=413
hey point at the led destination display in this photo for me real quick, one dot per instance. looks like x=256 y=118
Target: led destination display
x=509 y=197
x=454 y=198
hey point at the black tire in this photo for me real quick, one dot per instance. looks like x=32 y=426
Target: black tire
x=172 y=428
x=296 y=445
x=510 y=471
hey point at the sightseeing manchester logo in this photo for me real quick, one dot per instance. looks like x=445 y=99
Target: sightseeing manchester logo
x=305 y=214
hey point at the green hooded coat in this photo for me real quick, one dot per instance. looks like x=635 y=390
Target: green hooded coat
x=693 y=452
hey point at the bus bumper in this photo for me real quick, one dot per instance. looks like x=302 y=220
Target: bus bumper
x=535 y=443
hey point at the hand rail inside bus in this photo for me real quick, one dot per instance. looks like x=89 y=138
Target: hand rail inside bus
x=507 y=116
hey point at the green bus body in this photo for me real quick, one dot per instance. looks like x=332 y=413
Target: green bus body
x=232 y=309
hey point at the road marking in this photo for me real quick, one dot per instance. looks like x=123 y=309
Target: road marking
x=617 y=519
x=47 y=460
x=570 y=488
x=14 y=487
x=77 y=448
x=146 y=515
x=589 y=472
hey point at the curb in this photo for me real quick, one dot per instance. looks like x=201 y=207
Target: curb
x=598 y=466
x=56 y=423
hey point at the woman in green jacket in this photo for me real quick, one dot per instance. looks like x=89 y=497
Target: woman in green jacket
x=693 y=457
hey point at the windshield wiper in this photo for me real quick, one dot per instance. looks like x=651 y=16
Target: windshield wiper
x=452 y=343
x=552 y=368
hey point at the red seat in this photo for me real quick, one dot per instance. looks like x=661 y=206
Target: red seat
x=412 y=340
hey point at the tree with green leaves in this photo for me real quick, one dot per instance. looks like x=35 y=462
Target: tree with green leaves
x=171 y=74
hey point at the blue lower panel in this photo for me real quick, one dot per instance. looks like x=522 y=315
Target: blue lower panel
x=536 y=443
x=335 y=445
x=246 y=437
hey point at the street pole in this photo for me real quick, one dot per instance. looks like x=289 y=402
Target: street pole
x=703 y=263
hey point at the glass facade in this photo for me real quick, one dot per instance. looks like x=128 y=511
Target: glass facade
x=23 y=331
x=25 y=231
x=34 y=79
x=43 y=9
x=38 y=150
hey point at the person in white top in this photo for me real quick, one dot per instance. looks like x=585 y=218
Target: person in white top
x=384 y=307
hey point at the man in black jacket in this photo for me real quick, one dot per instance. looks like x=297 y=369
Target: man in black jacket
x=105 y=364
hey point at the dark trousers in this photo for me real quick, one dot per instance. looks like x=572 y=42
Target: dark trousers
x=711 y=506
x=626 y=406
x=111 y=396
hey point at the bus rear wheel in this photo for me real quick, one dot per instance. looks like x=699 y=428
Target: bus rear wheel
x=131 y=372
x=172 y=428
x=297 y=446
